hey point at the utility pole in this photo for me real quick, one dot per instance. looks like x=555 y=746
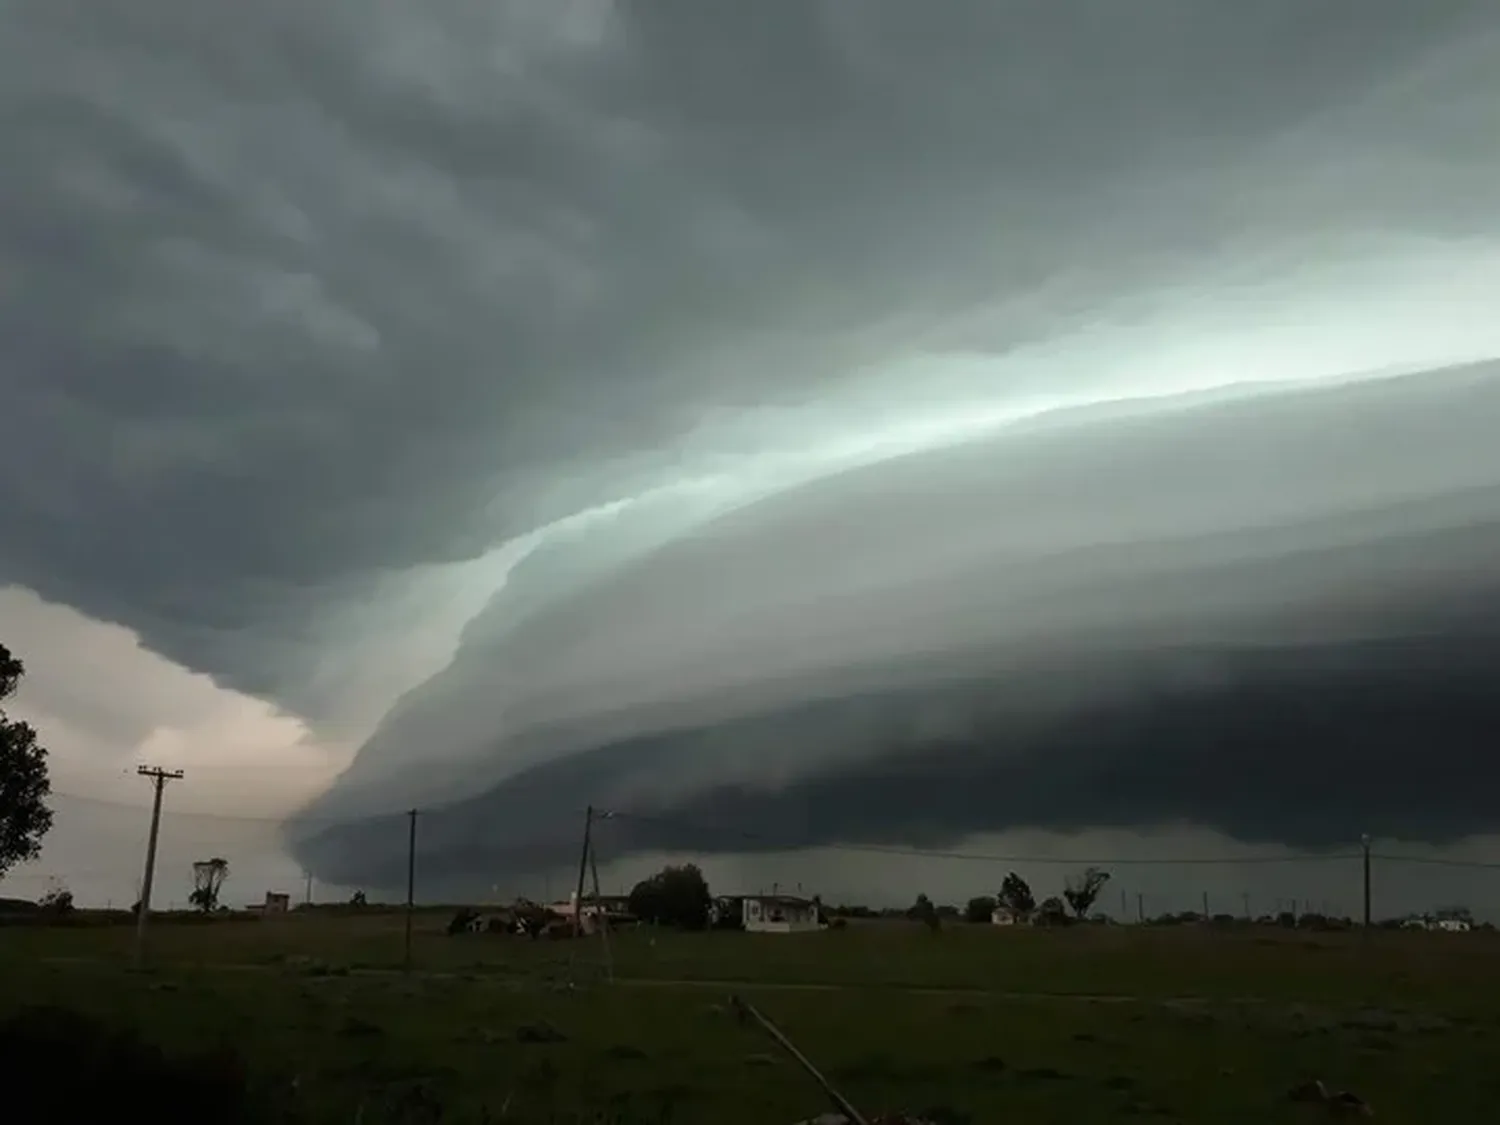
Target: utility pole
x=1140 y=907
x=1364 y=843
x=307 y=889
x=411 y=883
x=159 y=778
x=583 y=865
x=1124 y=906
x=1245 y=898
x=601 y=916
x=1205 y=906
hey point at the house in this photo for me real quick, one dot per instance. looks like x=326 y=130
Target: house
x=1446 y=921
x=275 y=904
x=1005 y=916
x=780 y=914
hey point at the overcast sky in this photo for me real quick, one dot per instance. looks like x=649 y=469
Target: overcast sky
x=871 y=422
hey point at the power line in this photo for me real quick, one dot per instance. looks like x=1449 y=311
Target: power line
x=1436 y=861
x=769 y=843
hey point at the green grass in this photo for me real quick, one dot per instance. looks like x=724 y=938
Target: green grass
x=1081 y=1026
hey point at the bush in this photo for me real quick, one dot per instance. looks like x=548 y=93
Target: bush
x=463 y=920
x=980 y=909
x=1052 y=912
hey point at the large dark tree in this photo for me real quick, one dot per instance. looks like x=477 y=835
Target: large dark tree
x=24 y=816
x=1016 y=897
x=1083 y=890
x=208 y=881
x=1052 y=912
x=674 y=896
x=980 y=909
x=926 y=912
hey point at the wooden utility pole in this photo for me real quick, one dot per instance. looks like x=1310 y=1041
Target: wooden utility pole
x=1140 y=907
x=601 y=916
x=307 y=888
x=159 y=778
x=583 y=866
x=411 y=883
x=1245 y=898
x=1205 y=906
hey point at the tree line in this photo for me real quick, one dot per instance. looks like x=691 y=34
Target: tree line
x=1015 y=901
x=680 y=896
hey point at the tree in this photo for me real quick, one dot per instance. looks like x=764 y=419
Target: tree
x=980 y=909
x=674 y=896
x=925 y=912
x=1015 y=896
x=1052 y=912
x=357 y=899
x=208 y=880
x=1084 y=889
x=24 y=787
x=58 y=899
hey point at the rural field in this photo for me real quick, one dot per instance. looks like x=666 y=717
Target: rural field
x=970 y=1024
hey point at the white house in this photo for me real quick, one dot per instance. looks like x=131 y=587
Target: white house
x=1005 y=916
x=1446 y=922
x=780 y=914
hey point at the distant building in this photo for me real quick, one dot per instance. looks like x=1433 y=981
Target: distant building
x=613 y=910
x=1005 y=916
x=1449 y=922
x=780 y=914
x=275 y=904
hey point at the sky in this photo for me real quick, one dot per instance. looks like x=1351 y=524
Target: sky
x=993 y=427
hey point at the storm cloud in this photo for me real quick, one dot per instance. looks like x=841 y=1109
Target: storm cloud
x=1098 y=622
x=609 y=380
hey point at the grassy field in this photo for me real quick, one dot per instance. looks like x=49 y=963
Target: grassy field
x=970 y=1024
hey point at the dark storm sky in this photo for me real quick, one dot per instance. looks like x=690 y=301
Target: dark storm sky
x=940 y=417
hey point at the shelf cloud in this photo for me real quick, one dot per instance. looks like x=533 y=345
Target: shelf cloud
x=854 y=419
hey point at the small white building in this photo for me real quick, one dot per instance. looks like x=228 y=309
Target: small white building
x=1005 y=916
x=780 y=914
x=1446 y=923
